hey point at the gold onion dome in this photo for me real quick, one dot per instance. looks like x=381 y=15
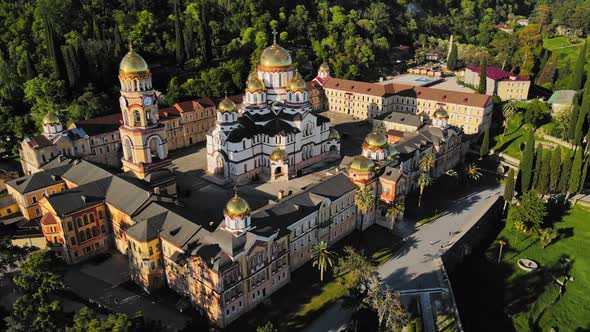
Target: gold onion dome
x=279 y=154
x=324 y=66
x=362 y=164
x=254 y=83
x=334 y=134
x=133 y=63
x=441 y=114
x=236 y=207
x=50 y=118
x=226 y=105
x=275 y=56
x=297 y=83
x=376 y=140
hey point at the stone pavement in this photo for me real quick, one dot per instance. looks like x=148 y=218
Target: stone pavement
x=412 y=268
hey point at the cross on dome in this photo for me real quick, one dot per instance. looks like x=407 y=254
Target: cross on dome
x=236 y=190
x=274 y=35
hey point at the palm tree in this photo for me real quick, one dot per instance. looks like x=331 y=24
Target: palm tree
x=364 y=199
x=473 y=172
x=424 y=180
x=520 y=227
x=322 y=257
x=508 y=110
x=452 y=173
x=427 y=162
x=394 y=210
x=502 y=243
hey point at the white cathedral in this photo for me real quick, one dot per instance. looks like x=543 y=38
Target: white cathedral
x=274 y=133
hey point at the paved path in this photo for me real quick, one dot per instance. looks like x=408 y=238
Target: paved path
x=412 y=266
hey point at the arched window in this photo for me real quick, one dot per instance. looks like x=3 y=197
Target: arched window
x=225 y=117
x=88 y=235
x=94 y=231
x=79 y=222
x=85 y=219
x=82 y=236
x=148 y=117
x=34 y=198
x=100 y=215
x=136 y=118
x=92 y=217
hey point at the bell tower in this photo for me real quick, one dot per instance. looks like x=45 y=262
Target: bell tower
x=143 y=137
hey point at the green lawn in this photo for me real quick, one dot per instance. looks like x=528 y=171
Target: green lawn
x=567 y=54
x=512 y=143
x=305 y=297
x=508 y=296
x=552 y=43
x=572 y=311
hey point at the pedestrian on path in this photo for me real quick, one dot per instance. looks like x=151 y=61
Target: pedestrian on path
x=431 y=243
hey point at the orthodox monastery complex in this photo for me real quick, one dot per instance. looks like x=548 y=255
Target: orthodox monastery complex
x=227 y=257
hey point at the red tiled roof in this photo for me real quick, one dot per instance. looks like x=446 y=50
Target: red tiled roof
x=384 y=90
x=48 y=219
x=498 y=74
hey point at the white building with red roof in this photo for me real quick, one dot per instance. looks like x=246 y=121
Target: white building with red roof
x=501 y=83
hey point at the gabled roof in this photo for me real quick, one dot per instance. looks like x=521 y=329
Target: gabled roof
x=157 y=220
x=71 y=201
x=38 y=180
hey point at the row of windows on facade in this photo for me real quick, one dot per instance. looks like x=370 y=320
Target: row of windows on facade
x=34 y=198
x=87 y=235
x=136 y=248
x=104 y=140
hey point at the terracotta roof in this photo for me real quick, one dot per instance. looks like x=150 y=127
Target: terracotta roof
x=498 y=74
x=48 y=219
x=385 y=90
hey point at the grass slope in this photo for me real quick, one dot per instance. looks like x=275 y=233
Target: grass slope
x=509 y=299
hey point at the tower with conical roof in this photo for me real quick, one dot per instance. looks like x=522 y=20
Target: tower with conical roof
x=143 y=137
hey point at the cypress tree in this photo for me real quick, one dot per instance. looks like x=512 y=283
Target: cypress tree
x=452 y=60
x=53 y=48
x=578 y=76
x=570 y=133
x=584 y=173
x=179 y=37
x=566 y=169
x=483 y=65
x=526 y=165
x=576 y=174
x=118 y=41
x=65 y=50
x=544 y=177
x=578 y=134
x=509 y=188
x=485 y=145
x=555 y=169
x=538 y=165
x=29 y=67
x=96 y=30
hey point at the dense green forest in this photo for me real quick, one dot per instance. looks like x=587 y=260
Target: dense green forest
x=62 y=55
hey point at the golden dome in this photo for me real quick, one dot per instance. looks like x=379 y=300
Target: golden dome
x=334 y=134
x=376 y=140
x=279 y=154
x=133 y=63
x=275 y=56
x=441 y=114
x=226 y=105
x=324 y=66
x=254 y=83
x=50 y=118
x=236 y=207
x=362 y=164
x=296 y=84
